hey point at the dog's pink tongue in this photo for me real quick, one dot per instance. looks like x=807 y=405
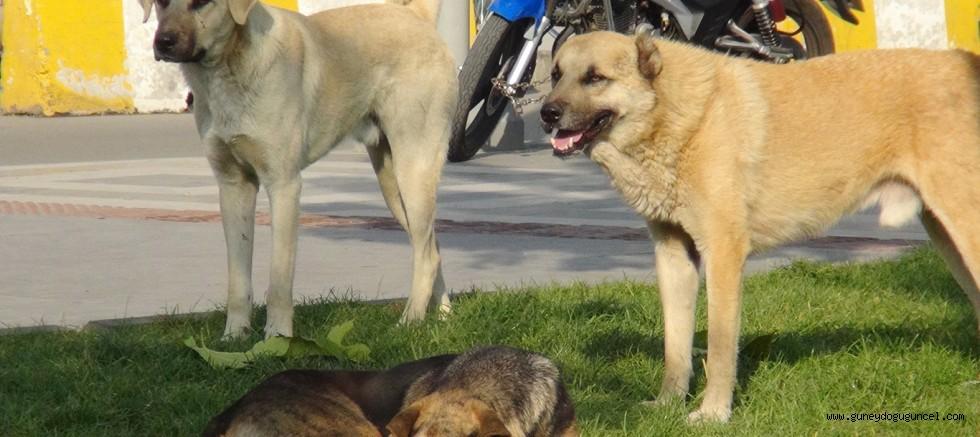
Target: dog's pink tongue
x=564 y=143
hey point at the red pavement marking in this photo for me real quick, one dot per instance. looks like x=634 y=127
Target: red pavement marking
x=315 y=221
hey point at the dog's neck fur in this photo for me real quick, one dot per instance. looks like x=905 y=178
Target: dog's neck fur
x=644 y=165
x=228 y=78
x=683 y=89
x=228 y=65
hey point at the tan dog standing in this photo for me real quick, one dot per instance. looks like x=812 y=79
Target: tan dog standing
x=275 y=91
x=725 y=157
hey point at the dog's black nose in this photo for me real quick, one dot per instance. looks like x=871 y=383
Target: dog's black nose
x=165 y=42
x=551 y=113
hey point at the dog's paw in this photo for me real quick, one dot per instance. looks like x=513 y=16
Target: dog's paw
x=413 y=313
x=236 y=328
x=409 y=319
x=237 y=334
x=279 y=326
x=272 y=332
x=710 y=415
x=444 y=310
x=663 y=399
x=656 y=403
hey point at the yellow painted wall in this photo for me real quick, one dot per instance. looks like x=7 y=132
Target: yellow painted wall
x=963 y=24
x=850 y=37
x=64 y=56
x=68 y=57
x=285 y=4
x=472 y=22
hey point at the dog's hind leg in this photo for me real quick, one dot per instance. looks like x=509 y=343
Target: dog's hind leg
x=946 y=172
x=417 y=171
x=967 y=275
x=237 y=188
x=950 y=215
x=380 y=154
x=381 y=160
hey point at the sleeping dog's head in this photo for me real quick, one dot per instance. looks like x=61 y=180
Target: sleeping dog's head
x=451 y=414
x=195 y=30
x=600 y=81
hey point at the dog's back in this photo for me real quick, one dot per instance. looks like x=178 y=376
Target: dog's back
x=322 y=403
x=866 y=117
x=381 y=394
x=293 y=403
x=821 y=136
x=427 y=9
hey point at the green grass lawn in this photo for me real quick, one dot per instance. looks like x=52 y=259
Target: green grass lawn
x=885 y=337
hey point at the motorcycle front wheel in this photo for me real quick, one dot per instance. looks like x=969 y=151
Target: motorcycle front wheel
x=809 y=35
x=480 y=106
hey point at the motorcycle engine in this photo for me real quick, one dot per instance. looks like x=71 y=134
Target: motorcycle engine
x=624 y=15
x=590 y=15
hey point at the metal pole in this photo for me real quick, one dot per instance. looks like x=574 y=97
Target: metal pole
x=454 y=26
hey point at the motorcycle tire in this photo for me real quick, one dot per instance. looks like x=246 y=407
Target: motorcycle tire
x=818 y=39
x=817 y=35
x=565 y=34
x=484 y=61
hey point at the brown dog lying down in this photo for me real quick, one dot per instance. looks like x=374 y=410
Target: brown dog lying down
x=490 y=392
x=323 y=403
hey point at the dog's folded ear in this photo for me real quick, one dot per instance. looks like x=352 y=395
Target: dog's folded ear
x=647 y=55
x=147 y=9
x=401 y=425
x=490 y=423
x=643 y=29
x=240 y=9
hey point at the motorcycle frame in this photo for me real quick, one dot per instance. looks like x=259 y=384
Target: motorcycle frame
x=689 y=20
x=516 y=10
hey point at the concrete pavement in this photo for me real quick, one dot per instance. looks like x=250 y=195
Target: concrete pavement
x=109 y=217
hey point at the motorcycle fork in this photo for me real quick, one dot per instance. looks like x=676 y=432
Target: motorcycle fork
x=532 y=39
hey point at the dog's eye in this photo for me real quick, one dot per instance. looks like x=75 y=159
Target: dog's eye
x=555 y=75
x=163 y=3
x=197 y=4
x=592 y=77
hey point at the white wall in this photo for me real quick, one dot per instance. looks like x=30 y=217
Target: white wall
x=310 y=6
x=159 y=86
x=156 y=86
x=911 y=23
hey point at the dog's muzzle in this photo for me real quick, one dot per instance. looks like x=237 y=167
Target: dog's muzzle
x=167 y=47
x=164 y=45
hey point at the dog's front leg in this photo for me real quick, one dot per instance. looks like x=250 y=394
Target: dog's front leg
x=237 y=190
x=725 y=258
x=284 y=209
x=677 y=262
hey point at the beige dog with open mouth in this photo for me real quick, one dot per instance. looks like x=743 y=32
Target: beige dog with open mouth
x=724 y=157
x=275 y=91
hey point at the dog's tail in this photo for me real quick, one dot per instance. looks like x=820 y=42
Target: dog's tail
x=427 y=9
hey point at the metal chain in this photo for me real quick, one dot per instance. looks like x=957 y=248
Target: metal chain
x=510 y=92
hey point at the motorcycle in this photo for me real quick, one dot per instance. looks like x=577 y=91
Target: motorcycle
x=501 y=61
